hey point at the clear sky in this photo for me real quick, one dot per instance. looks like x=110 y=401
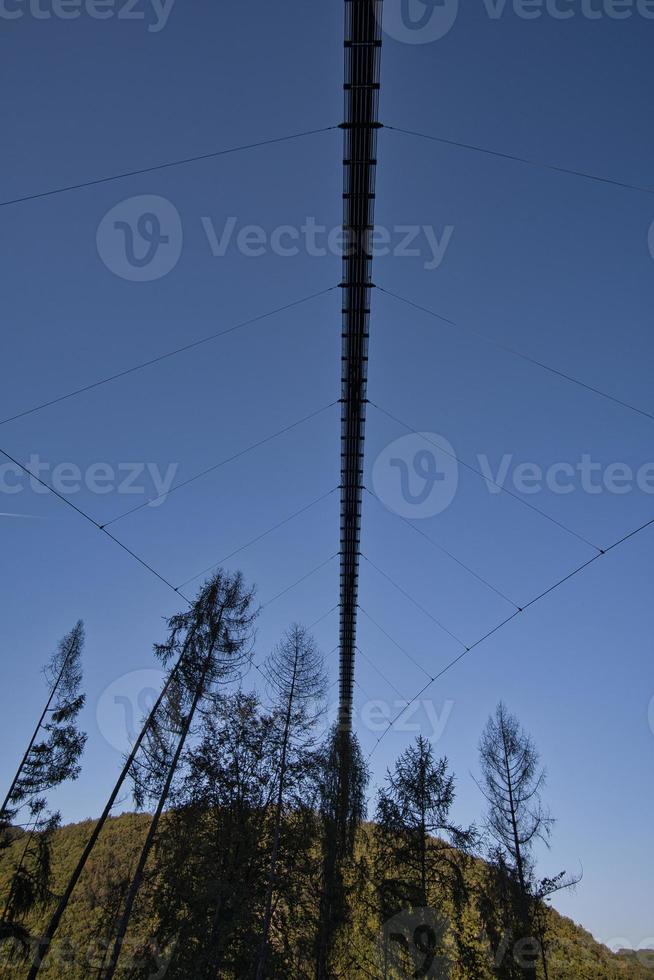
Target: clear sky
x=554 y=265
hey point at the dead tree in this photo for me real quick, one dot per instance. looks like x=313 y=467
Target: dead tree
x=512 y=780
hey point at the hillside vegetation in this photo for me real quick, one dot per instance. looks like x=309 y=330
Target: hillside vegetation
x=80 y=946
x=249 y=856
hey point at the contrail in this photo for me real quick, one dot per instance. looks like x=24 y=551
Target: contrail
x=33 y=517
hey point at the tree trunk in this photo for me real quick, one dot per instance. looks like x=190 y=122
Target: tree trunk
x=53 y=925
x=154 y=825
x=525 y=902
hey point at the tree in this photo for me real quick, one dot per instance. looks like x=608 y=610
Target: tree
x=420 y=852
x=210 y=643
x=209 y=882
x=499 y=902
x=211 y=878
x=512 y=780
x=48 y=763
x=44 y=941
x=52 y=757
x=344 y=777
x=296 y=674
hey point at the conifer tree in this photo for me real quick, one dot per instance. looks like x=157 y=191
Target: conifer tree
x=512 y=781
x=210 y=644
x=212 y=875
x=420 y=853
x=296 y=674
x=343 y=785
x=51 y=758
x=209 y=883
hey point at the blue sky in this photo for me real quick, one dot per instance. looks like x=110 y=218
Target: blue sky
x=553 y=265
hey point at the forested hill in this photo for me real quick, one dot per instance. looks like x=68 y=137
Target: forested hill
x=79 y=948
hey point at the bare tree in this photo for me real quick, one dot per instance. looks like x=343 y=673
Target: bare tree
x=296 y=674
x=512 y=781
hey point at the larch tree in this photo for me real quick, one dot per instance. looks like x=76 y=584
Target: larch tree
x=209 y=645
x=210 y=880
x=512 y=781
x=420 y=853
x=51 y=758
x=296 y=674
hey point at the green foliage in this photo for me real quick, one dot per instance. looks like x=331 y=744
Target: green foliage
x=262 y=830
x=51 y=758
x=572 y=953
x=343 y=780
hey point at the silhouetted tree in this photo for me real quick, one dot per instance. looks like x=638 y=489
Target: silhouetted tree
x=209 y=882
x=499 y=904
x=342 y=808
x=211 y=878
x=420 y=853
x=512 y=780
x=223 y=638
x=296 y=674
x=52 y=757
x=210 y=643
x=49 y=762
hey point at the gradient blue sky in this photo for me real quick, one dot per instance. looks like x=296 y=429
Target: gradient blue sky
x=552 y=264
